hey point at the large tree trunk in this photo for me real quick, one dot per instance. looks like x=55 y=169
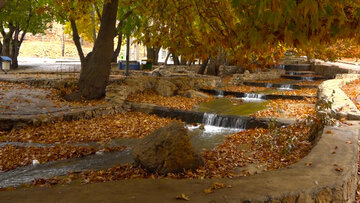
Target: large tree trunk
x=153 y=54
x=214 y=65
x=203 y=66
x=95 y=69
x=176 y=60
x=2 y=3
x=183 y=61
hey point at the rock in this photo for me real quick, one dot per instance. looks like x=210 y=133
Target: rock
x=167 y=150
x=194 y=94
x=165 y=88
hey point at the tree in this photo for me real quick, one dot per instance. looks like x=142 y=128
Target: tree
x=19 y=18
x=2 y=3
x=95 y=67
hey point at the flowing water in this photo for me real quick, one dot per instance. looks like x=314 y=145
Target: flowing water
x=206 y=136
x=236 y=107
x=253 y=97
x=285 y=87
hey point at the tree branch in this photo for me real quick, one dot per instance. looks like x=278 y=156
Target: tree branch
x=76 y=38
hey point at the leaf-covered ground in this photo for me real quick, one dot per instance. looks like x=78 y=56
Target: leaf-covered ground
x=285 y=108
x=99 y=129
x=303 y=91
x=313 y=83
x=176 y=102
x=352 y=90
x=273 y=149
x=15 y=156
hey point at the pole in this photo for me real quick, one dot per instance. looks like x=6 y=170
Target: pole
x=127 y=55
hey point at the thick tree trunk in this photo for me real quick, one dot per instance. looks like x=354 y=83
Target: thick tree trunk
x=176 y=60
x=167 y=58
x=203 y=66
x=183 y=61
x=153 y=54
x=118 y=48
x=96 y=67
x=2 y=3
x=214 y=65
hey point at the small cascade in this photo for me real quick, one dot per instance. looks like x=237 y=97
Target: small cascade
x=307 y=78
x=223 y=121
x=281 y=66
x=269 y=85
x=254 y=97
x=219 y=93
x=285 y=87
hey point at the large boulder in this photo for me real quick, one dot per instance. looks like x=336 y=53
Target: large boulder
x=165 y=88
x=167 y=150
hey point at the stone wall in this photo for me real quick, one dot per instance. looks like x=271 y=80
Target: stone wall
x=329 y=71
x=118 y=92
x=342 y=106
x=272 y=74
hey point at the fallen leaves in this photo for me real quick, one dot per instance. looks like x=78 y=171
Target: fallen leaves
x=176 y=102
x=285 y=108
x=15 y=156
x=215 y=186
x=182 y=196
x=352 y=90
x=99 y=129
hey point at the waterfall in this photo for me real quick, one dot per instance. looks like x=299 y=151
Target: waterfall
x=307 y=78
x=285 y=87
x=219 y=93
x=223 y=121
x=253 y=97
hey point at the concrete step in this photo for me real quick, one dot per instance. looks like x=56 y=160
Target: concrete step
x=300 y=73
x=298 y=67
x=305 y=77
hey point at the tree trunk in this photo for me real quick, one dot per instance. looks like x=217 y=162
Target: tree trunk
x=153 y=54
x=96 y=67
x=203 y=66
x=2 y=3
x=118 y=48
x=176 y=60
x=183 y=61
x=167 y=58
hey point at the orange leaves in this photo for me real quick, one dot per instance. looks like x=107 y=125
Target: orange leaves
x=12 y=157
x=285 y=108
x=352 y=90
x=100 y=129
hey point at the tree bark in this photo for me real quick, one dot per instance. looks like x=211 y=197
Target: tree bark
x=95 y=69
x=2 y=3
x=118 y=48
x=203 y=66
x=167 y=58
x=153 y=54
x=183 y=61
x=76 y=39
x=176 y=60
